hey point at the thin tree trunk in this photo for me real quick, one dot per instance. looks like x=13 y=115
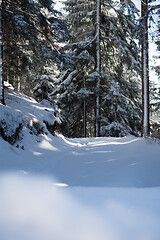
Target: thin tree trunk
x=84 y=120
x=98 y=67
x=1 y=51
x=145 y=71
x=18 y=77
x=84 y=115
x=1 y=54
x=18 y=84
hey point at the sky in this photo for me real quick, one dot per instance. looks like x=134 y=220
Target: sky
x=138 y=3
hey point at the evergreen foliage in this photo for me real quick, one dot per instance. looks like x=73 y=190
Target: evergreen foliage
x=31 y=33
x=76 y=90
x=156 y=67
x=154 y=16
x=155 y=89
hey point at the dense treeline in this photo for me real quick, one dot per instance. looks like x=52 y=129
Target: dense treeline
x=154 y=89
x=116 y=83
x=30 y=33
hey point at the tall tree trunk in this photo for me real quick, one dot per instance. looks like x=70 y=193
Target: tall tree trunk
x=84 y=114
x=98 y=67
x=84 y=119
x=1 y=51
x=145 y=70
x=1 y=54
x=18 y=77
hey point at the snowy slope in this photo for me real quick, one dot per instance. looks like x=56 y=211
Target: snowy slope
x=29 y=108
x=107 y=162
x=80 y=189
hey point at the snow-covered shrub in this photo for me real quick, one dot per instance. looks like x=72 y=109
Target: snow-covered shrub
x=35 y=127
x=23 y=113
x=53 y=128
x=155 y=129
x=44 y=86
x=52 y=119
x=11 y=123
x=115 y=129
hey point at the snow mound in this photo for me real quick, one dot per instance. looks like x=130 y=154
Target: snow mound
x=23 y=112
x=11 y=123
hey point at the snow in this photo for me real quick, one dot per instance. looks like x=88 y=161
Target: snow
x=32 y=208
x=30 y=108
x=88 y=188
x=69 y=78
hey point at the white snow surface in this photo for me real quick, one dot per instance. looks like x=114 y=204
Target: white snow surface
x=77 y=189
x=30 y=108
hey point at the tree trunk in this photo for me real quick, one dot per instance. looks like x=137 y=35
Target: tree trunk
x=1 y=54
x=18 y=77
x=84 y=114
x=145 y=70
x=0 y=51
x=84 y=119
x=98 y=68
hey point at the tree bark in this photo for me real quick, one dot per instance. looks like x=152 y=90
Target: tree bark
x=84 y=115
x=84 y=119
x=98 y=68
x=1 y=51
x=145 y=70
x=1 y=54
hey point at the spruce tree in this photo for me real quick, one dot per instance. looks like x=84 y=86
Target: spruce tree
x=31 y=33
x=120 y=108
x=154 y=88
x=115 y=83
x=78 y=94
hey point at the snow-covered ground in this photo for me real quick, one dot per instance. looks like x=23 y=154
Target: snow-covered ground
x=77 y=189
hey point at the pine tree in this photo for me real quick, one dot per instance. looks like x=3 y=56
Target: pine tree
x=121 y=110
x=83 y=55
x=156 y=35
x=119 y=62
x=32 y=31
x=154 y=88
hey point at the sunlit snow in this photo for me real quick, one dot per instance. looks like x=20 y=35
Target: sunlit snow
x=77 y=189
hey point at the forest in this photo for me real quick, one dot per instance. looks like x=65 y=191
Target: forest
x=79 y=120
x=90 y=61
